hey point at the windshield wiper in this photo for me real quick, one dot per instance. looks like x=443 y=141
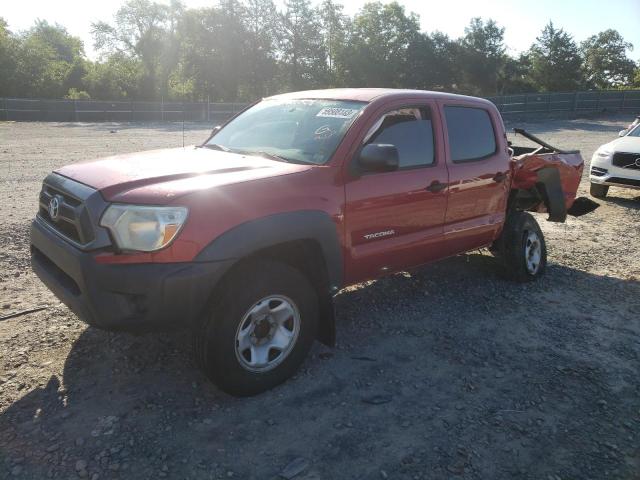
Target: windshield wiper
x=259 y=153
x=215 y=146
x=272 y=156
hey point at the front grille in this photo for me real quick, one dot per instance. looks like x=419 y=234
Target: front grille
x=627 y=160
x=624 y=181
x=73 y=220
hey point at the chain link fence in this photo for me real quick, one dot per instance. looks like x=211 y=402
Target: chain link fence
x=42 y=110
x=569 y=104
x=521 y=106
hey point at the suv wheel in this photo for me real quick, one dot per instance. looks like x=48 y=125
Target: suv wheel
x=523 y=247
x=599 y=191
x=260 y=330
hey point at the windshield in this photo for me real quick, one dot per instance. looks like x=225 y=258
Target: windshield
x=635 y=132
x=300 y=131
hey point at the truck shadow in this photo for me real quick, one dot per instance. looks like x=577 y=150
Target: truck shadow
x=450 y=358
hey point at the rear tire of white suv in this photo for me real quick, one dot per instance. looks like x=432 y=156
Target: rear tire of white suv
x=599 y=191
x=259 y=330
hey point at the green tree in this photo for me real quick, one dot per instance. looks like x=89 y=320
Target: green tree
x=377 y=52
x=118 y=77
x=432 y=62
x=514 y=76
x=482 y=56
x=75 y=94
x=636 y=77
x=334 y=26
x=140 y=31
x=213 y=46
x=8 y=61
x=555 y=61
x=606 y=64
x=261 y=25
x=302 y=47
x=49 y=61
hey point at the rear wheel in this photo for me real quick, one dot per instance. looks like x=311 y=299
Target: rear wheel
x=259 y=331
x=522 y=247
x=599 y=191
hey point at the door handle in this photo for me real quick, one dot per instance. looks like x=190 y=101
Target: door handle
x=436 y=187
x=499 y=177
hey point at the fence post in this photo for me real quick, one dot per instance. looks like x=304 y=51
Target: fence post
x=162 y=108
x=75 y=111
x=133 y=115
x=6 y=109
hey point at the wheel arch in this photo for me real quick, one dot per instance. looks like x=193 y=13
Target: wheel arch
x=307 y=240
x=546 y=190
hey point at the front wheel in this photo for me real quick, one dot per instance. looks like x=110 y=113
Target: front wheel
x=259 y=331
x=524 y=250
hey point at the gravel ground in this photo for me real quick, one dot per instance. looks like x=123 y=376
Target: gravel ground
x=446 y=372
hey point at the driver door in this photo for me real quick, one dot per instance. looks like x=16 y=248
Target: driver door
x=394 y=220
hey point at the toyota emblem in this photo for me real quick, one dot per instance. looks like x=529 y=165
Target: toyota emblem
x=54 y=208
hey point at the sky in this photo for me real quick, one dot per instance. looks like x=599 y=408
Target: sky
x=523 y=19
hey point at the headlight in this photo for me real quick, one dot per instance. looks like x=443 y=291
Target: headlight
x=143 y=228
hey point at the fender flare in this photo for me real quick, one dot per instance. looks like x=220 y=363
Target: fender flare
x=250 y=237
x=264 y=232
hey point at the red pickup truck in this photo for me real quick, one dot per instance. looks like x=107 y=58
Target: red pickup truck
x=246 y=238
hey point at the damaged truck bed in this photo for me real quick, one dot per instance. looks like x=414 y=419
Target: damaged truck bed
x=546 y=179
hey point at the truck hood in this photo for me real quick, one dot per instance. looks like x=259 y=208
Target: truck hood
x=153 y=175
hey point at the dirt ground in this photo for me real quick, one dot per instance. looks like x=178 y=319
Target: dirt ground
x=447 y=372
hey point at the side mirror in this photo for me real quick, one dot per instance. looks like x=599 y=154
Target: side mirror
x=378 y=157
x=622 y=133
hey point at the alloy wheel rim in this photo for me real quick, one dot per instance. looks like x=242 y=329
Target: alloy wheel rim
x=533 y=252
x=267 y=333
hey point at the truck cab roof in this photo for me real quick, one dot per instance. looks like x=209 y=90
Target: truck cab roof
x=371 y=94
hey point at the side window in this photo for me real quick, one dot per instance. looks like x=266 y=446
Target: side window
x=471 y=134
x=410 y=130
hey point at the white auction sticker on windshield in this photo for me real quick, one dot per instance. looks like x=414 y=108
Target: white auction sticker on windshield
x=335 y=112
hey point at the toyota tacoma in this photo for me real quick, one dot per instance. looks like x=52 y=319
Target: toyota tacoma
x=246 y=238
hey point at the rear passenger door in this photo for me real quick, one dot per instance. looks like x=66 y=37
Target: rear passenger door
x=479 y=165
x=394 y=219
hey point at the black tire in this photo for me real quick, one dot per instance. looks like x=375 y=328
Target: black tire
x=214 y=339
x=514 y=244
x=599 y=191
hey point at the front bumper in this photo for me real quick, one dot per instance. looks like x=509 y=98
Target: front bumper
x=131 y=297
x=604 y=172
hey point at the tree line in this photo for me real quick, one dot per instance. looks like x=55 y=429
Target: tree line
x=240 y=50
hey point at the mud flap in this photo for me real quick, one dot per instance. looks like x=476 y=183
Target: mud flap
x=550 y=188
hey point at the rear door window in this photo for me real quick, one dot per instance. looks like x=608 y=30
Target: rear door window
x=471 y=134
